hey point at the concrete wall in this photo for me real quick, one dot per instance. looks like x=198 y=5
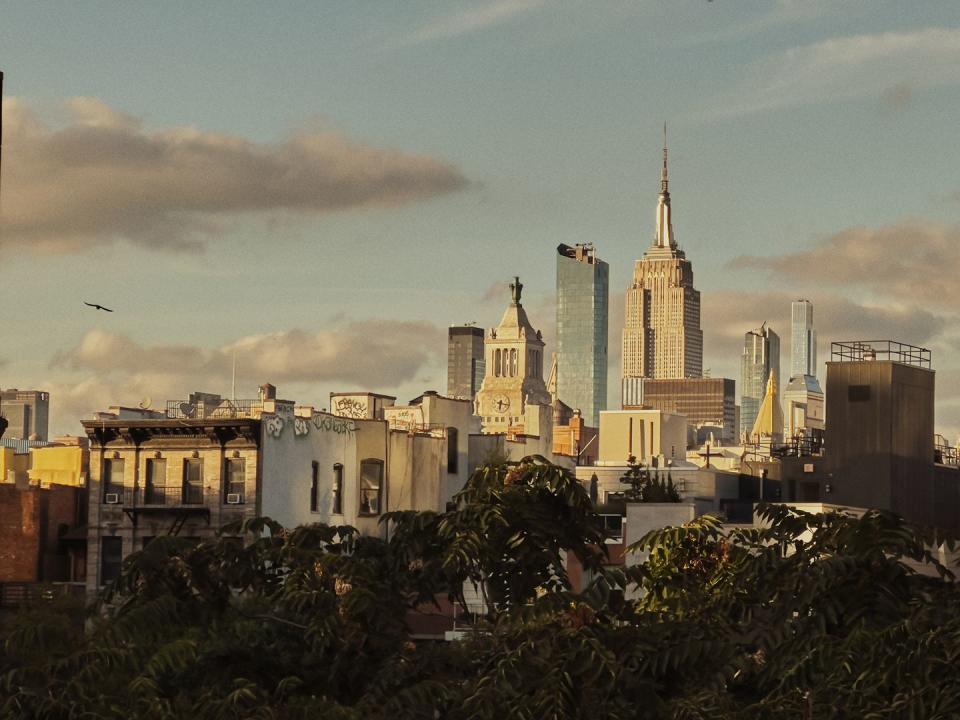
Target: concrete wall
x=290 y=445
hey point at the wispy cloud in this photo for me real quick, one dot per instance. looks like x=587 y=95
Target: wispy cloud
x=102 y=177
x=909 y=262
x=470 y=20
x=845 y=68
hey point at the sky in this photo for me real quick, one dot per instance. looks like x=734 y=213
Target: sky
x=319 y=189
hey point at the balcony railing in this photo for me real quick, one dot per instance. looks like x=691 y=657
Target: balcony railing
x=162 y=496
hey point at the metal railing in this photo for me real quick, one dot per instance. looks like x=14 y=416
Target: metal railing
x=225 y=409
x=23 y=594
x=944 y=454
x=176 y=495
x=890 y=350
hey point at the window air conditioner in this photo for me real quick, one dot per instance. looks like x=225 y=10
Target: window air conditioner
x=111 y=498
x=234 y=498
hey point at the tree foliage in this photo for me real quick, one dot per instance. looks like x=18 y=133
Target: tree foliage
x=806 y=616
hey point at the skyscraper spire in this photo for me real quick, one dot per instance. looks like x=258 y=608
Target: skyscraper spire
x=664 y=182
x=664 y=236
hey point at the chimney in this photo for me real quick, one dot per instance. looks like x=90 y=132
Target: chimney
x=268 y=392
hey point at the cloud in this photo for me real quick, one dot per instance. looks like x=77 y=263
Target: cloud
x=729 y=314
x=470 y=20
x=909 y=262
x=848 y=67
x=367 y=353
x=102 y=177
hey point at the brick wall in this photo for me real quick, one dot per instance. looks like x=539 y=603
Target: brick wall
x=20 y=534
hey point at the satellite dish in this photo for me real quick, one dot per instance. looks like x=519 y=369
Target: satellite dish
x=146 y=403
x=186 y=409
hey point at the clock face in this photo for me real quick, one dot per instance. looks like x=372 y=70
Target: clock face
x=501 y=402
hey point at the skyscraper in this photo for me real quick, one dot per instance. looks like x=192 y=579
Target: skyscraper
x=802 y=398
x=803 y=339
x=662 y=336
x=761 y=355
x=465 y=363
x=27 y=412
x=583 y=291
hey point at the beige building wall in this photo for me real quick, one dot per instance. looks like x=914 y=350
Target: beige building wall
x=643 y=434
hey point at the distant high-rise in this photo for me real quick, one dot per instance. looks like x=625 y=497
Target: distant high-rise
x=27 y=412
x=583 y=292
x=761 y=355
x=802 y=398
x=662 y=336
x=465 y=363
x=803 y=339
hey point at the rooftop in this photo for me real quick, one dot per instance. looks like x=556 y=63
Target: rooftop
x=880 y=350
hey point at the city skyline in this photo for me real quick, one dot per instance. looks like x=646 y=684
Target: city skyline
x=781 y=195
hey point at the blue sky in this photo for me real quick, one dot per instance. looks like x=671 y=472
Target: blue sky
x=316 y=184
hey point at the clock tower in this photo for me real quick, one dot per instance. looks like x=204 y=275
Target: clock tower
x=514 y=372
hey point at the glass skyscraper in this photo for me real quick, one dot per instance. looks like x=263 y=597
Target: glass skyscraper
x=583 y=293
x=803 y=339
x=465 y=361
x=761 y=354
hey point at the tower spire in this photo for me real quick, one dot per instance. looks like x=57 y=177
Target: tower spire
x=664 y=235
x=664 y=181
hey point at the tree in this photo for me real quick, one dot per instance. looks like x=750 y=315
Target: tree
x=646 y=486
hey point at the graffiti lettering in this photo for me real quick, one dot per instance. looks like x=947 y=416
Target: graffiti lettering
x=351 y=407
x=332 y=424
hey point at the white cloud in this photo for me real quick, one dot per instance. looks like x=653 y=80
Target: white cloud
x=470 y=20
x=848 y=67
x=102 y=177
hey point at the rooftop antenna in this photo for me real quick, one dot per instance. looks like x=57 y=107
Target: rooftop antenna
x=233 y=383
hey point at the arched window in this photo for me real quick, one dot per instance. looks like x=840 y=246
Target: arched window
x=513 y=363
x=452 y=450
x=497 y=367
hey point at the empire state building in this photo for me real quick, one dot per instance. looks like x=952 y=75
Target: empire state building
x=662 y=336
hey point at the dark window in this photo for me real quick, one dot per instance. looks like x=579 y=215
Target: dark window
x=192 y=481
x=858 y=393
x=337 y=489
x=236 y=479
x=613 y=526
x=112 y=477
x=452 y=454
x=314 y=486
x=155 y=492
x=111 y=558
x=371 y=482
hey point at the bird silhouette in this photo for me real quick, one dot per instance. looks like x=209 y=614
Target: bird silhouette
x=98 y=307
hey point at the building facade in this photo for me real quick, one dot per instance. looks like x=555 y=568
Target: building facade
x=465 y=361
x=583 y=294
x=761 y=355
x=803 y=401
x=27 y=413
x=803 y=339
x=662 y=336
x=709 y=404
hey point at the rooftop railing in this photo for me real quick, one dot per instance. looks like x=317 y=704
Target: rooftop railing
x=225 y=409
x=888 y=350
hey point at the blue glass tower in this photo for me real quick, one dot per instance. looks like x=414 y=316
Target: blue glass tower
x=583 y=298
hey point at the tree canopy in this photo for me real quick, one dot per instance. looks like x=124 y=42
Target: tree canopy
x=804 y=616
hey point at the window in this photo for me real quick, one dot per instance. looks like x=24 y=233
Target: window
x=452 y=454
x=314 y=486
x=192 y=481
x=371 y=481
x=111 y=559
x=613 y=527
x=155 y=492
x=858 y=393
x=497 y=366
x=337 y=489
x=236 y=478
x=513 y=363
x=112 y=477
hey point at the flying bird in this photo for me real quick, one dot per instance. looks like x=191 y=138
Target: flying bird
x=98 y=307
